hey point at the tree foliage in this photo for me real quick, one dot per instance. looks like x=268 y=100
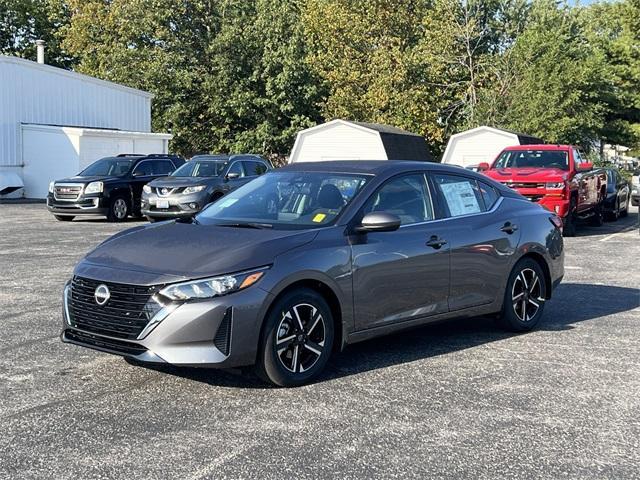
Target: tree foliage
x=233 y=75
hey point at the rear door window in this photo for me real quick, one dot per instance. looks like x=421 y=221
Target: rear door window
x=459 y=195
x=489 y=195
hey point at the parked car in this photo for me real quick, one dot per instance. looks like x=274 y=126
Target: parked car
x=554 y=176
x=635 y=188
x=616 y=202
x=202 y=180
x=111 y=186
x=312 y=257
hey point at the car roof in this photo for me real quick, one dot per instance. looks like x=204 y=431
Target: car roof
x=541 y=146
x=388 y=167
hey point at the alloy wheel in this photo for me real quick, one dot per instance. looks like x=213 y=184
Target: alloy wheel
x=120 y=208
x=300 y=340
x=526 y=295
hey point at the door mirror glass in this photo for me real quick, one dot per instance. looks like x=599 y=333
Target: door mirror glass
x=379 y=222
x=232 y=175
x=483 y=166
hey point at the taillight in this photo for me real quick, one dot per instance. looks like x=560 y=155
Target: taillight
x=557 y=221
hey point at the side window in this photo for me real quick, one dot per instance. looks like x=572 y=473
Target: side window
x=143 y=168
x=253 y=169
x=461 y=195
x=162 y=167
x=236 y=168
x=489 y=195
x=407 y=197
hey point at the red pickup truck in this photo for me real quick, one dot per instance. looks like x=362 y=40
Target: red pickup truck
x=556 y=177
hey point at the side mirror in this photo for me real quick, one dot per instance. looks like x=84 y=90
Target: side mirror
x=585 y=166
x=483 y=167
x=232 y=175
x=378 y=222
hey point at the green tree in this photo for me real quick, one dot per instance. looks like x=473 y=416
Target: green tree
x=22 y=22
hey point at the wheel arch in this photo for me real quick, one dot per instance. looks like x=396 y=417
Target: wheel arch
x=542 y=262
x=330 y=297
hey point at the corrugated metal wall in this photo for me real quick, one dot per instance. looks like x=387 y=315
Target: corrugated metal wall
x=33 y=93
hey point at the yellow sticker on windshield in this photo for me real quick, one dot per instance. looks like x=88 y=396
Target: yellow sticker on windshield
x=319 y=217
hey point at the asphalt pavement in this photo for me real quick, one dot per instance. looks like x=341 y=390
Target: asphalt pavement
x=460 y=399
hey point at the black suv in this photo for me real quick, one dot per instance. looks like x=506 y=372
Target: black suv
x=202 y=180
x=111 y=186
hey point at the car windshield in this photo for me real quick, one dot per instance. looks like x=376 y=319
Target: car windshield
x=198 y=168
x=285 y=200
x=533 y=158
x=116 y=167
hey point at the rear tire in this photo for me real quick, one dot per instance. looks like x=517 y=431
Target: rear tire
x=118 y=210
x=296 y=340
x=569 y=225
x=524 y=297
x=64 y=218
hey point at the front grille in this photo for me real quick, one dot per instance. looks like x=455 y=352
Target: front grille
x=125 y=314
x=170 y=191
x=67 y=192
x=116 y=346
x=524 y=185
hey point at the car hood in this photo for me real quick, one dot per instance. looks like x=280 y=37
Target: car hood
x=174 y=251
x=94 y=178
x=507 y=175
x=174 y=182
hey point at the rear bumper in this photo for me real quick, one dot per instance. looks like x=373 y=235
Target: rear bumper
x=83 y=206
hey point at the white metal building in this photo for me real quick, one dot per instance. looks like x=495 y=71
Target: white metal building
x=482 y=144
x=347 y=140
x=54 y=122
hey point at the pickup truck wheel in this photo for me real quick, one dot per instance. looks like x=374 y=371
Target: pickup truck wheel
x=569 y=225
x=118 y=210
x=64 y=218
x=524 y=297
x=597 y=218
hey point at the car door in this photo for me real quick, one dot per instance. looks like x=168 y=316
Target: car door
x=483 y=234
x=401 y=275
x=141 y=175
x=234 y=177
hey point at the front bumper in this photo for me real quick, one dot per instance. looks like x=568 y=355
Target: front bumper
x=222 y=332
x=82 y=206
x=179 y=205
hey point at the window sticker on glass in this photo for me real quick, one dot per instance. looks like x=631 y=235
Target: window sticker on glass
x=460 y=197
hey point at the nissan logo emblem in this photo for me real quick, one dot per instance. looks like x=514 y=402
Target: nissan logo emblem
x=102 y=294
x=165 y=191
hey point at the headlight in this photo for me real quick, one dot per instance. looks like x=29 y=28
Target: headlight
x=51 y=187
x=554 y=185
x=195 y=189
x=212 y=287
x=146 y=189
x=94 y=187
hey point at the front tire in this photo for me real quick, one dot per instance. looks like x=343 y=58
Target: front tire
x=569 y=225
x=297 y=339
x=524 y=297
x=64 y=218
x=118 y=210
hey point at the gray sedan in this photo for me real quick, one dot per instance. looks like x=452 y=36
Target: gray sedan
x=305 y=260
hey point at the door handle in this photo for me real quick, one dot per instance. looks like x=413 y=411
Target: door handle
x=436 y=242
x=509 y=228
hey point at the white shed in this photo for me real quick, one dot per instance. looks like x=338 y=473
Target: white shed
x=482 y=144
x=347 y=140
x=54 y=121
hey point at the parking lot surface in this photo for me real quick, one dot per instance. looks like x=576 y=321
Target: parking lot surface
x=456 y=400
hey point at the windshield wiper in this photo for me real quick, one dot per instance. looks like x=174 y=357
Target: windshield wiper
x=246 y=225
